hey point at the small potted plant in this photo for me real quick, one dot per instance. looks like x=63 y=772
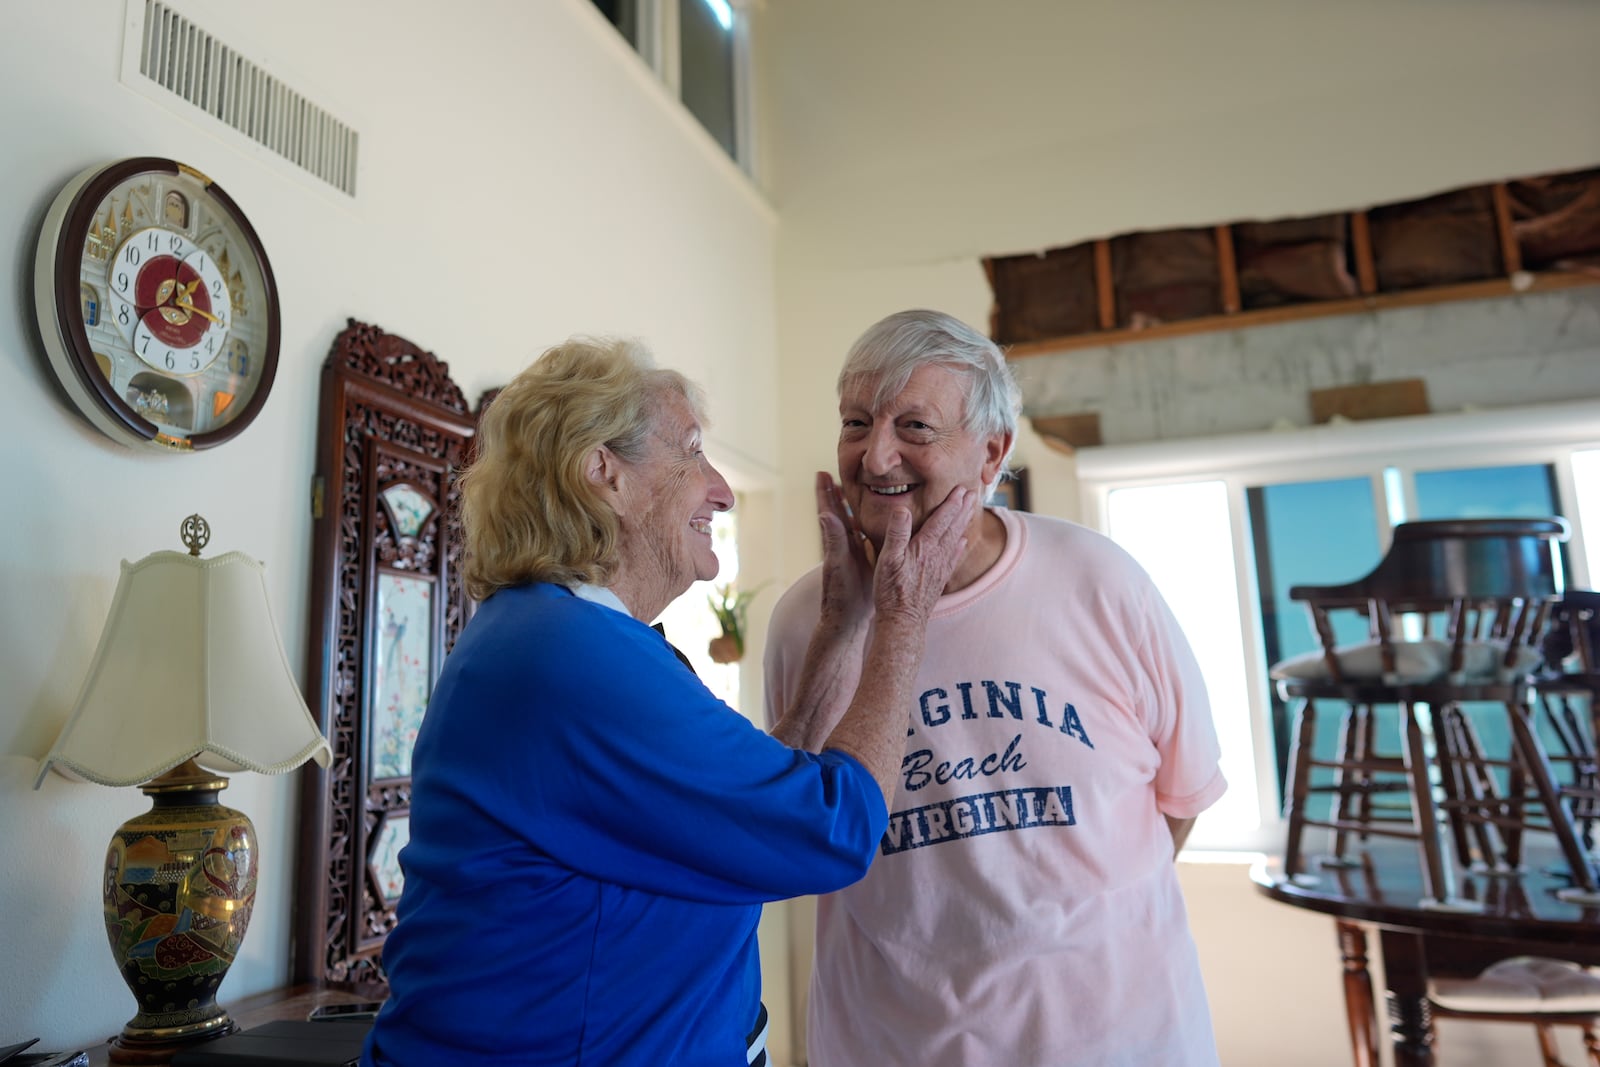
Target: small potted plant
x=731 y=608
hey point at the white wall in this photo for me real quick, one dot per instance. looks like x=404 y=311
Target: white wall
x=916 y=136
x=522 y=179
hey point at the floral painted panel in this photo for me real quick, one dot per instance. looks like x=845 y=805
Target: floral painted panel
x=409 y=508
x=391 y=838
x=402 y=671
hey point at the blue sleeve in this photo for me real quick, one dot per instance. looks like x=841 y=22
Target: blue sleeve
x=578 y=726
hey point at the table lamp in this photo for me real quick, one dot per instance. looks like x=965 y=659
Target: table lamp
x=189 y=679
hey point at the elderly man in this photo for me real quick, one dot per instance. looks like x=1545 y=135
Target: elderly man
x=1023 y=908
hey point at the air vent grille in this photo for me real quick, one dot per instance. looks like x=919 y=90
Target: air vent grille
x=180 y=56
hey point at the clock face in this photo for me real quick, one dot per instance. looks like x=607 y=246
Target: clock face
x=157 y=305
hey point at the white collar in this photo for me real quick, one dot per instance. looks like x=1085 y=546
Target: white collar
x=599 y=594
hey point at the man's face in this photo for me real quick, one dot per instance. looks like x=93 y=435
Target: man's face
x=912 y=451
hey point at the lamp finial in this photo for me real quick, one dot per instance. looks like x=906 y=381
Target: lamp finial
x=195 y=532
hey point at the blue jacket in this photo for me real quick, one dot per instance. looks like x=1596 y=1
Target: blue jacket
x=592 y=836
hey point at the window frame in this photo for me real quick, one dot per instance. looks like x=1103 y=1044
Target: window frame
x=659 y=46
x=1543 y=434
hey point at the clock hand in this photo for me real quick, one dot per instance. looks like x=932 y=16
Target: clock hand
x=186 y=306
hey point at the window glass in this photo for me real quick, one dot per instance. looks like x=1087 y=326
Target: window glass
x=690 y=623
x=1527 y=492
x=705 y=42
x=1586 y=481
x=624 y=15
x=1181 y=535
x=1309 y=533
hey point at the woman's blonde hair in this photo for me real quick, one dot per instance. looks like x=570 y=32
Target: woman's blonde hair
x=530 y=512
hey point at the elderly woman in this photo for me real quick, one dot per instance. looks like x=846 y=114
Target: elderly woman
x=593 y=833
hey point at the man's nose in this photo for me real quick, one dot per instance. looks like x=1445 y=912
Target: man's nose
x=883 y=450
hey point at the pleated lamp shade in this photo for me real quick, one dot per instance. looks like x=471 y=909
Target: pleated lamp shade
x=190 y=665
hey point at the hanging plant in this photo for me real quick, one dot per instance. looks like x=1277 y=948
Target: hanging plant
x=730 y=606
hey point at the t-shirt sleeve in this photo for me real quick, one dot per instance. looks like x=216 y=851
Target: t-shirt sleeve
x=788 y=636
x=1189 y=779
x=616 y=762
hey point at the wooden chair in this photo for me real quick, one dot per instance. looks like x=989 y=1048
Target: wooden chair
x=1568 y=688
x=1453 y=612
x=1544 y=993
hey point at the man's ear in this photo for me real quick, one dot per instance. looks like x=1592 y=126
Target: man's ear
x=995 y=450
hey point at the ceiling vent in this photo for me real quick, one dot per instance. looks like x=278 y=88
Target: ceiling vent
x=180 y=57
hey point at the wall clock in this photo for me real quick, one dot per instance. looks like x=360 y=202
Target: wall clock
x=156 y=304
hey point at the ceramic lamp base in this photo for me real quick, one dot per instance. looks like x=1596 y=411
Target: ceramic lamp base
x=180 y=882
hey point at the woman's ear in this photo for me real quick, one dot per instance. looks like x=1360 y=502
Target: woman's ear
x=604 y=472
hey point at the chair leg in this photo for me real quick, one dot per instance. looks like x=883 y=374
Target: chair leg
x=1481 y=796
x=1305 y=729
x=1527 y=750
x=1577 y=750
x=1459 y=779
x=1349 y=784
x=1436 y=883
x=1521 y=772
x=1547 y=1045
x=1367 y=749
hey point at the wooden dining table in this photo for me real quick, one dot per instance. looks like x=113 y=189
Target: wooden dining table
x=1498 y=916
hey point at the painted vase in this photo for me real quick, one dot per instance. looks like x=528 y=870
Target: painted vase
x=180 y=882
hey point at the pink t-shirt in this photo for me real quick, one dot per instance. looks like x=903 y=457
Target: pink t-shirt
x=1023 y=908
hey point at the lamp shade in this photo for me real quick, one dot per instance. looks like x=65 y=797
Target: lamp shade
x=190 y=665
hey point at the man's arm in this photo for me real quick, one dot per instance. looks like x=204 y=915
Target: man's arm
x=1180 y=832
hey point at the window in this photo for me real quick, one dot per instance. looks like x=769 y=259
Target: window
x=1262 y=512
x=690 y=624
x=700 y=51
x=1320 y=532
x=1205 y=601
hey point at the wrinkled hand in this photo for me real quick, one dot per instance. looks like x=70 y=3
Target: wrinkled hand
x=846 y=560
x=912 y=572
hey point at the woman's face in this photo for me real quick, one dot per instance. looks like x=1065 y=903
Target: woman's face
x=669 y=498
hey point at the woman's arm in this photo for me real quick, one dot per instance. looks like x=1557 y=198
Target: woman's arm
x=907 y=579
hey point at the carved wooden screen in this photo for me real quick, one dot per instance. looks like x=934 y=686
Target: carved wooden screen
x=387 y=604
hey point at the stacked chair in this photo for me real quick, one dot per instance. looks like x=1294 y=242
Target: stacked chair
x=1567 y=686
x=1456 y=613
x=1461 y=613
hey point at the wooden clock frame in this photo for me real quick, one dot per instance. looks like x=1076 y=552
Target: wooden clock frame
x=394 y=432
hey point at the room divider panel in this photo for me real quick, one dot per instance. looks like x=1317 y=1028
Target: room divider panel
x=387 y=604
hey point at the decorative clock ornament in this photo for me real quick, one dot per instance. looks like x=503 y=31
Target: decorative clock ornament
x=157 y=304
